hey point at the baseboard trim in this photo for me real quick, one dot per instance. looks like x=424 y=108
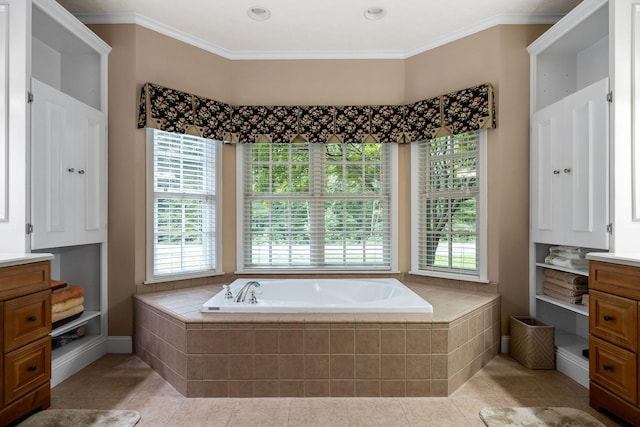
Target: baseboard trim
x=122 y=344
x=505 y=344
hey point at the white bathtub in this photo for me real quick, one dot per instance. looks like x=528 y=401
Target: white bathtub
x=322 y=295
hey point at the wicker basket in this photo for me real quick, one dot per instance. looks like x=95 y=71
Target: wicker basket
x=532 y=343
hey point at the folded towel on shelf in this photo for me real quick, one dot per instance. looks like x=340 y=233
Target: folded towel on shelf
x=585 y=300
x=562 y=297
x=73 y=291
x=57 y=284
x=565 y=285
x=67 y=313
x=566 y=277
x=66 y=304
x=568 y=249
x=546 y=285
x=578 y=264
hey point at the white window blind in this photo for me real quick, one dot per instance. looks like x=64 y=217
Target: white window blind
x=317 y=206
x=448 y=205
x=184 y=204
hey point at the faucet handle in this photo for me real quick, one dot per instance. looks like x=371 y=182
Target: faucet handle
x=227 y=292
x=252 y=297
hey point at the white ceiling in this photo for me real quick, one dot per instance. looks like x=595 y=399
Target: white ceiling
x=309 y=29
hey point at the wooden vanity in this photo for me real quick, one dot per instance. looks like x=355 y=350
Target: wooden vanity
x=25 y=310
x=614 y=303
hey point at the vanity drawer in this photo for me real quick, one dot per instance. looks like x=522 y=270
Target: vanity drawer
x=614 y=368
x=24 y=279
x=26 y=319
x=614 y=319
x=27 y=368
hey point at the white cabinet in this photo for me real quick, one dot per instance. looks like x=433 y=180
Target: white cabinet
x=47 y=53
x=576 y=126
x=569 y=155
x=68 y=164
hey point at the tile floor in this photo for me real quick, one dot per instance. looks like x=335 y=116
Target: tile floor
x=122 y=381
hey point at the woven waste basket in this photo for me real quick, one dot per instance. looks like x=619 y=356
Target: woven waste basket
x=532 y=343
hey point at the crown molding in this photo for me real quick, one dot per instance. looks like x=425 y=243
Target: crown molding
x=169 y=31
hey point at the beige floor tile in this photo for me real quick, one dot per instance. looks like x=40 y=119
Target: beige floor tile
x=155 y=411
x=376 y=412
x=319 y=412
x=203 y=412
x=119 y=381
x=260 y=412
x=432 y=411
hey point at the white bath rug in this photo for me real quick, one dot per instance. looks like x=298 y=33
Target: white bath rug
x=537 y=417
x=81 y=418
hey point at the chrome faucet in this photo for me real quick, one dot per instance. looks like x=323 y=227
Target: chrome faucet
x=242 y=294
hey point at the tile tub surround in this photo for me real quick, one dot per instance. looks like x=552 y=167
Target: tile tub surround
x=316 y=354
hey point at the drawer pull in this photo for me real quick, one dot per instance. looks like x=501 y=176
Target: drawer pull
x=32 y=368
x=32 y=318
x=607 y=318
x=607 y=367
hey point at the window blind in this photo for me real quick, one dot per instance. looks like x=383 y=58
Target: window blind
x=184 y=208
x=317 y=206
x=448 y=223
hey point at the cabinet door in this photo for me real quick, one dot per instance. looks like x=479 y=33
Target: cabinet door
x=569 y=164
x=585 y=168
x=546 y=185
x=68 y=170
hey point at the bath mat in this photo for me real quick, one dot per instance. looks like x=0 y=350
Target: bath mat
x=538 y=417
x=81 y=418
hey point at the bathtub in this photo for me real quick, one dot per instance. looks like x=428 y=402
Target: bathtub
x=323 y=296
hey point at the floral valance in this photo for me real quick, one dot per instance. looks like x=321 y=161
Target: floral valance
x=180 y=112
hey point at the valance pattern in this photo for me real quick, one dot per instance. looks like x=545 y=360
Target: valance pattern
x=180 y=112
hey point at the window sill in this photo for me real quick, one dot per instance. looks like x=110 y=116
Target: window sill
x=313 y=272
x=450 y=276
x=178 y=277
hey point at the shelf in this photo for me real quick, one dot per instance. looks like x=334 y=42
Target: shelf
x=84 y=318
x=569 y=358
x=577 y=308
x=565 y=269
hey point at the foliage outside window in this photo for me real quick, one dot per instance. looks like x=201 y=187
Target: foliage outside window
x=448 y=206
x=183 y=186
x=316 y=207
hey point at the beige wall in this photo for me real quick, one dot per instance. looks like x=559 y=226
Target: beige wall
x=496 y=55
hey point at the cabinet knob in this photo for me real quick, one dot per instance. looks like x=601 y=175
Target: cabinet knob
x=81 y=171
x=32 y=318
x=71 y=170
x=607 y=318
x=32 y=368
x=556 y=172
x=607 y=367
x=567 y=170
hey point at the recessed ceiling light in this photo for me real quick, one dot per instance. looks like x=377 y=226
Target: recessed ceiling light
x=374 y=13
x=259 y=13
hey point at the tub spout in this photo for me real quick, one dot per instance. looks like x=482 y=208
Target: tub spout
x=242 y=294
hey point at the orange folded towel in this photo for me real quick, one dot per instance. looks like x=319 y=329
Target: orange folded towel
x=57 y=284
x=67 y=304
x=72 y=291
x=67 y=313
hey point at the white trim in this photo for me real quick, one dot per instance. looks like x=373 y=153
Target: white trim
x=505 y=344
x=167 y=30
x=71 y=23
x=123 y=344
x=566 y=24
x=64 y=366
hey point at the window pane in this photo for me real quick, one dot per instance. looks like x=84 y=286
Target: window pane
x=184 y=204
x=303 y=223
x=448 y=206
